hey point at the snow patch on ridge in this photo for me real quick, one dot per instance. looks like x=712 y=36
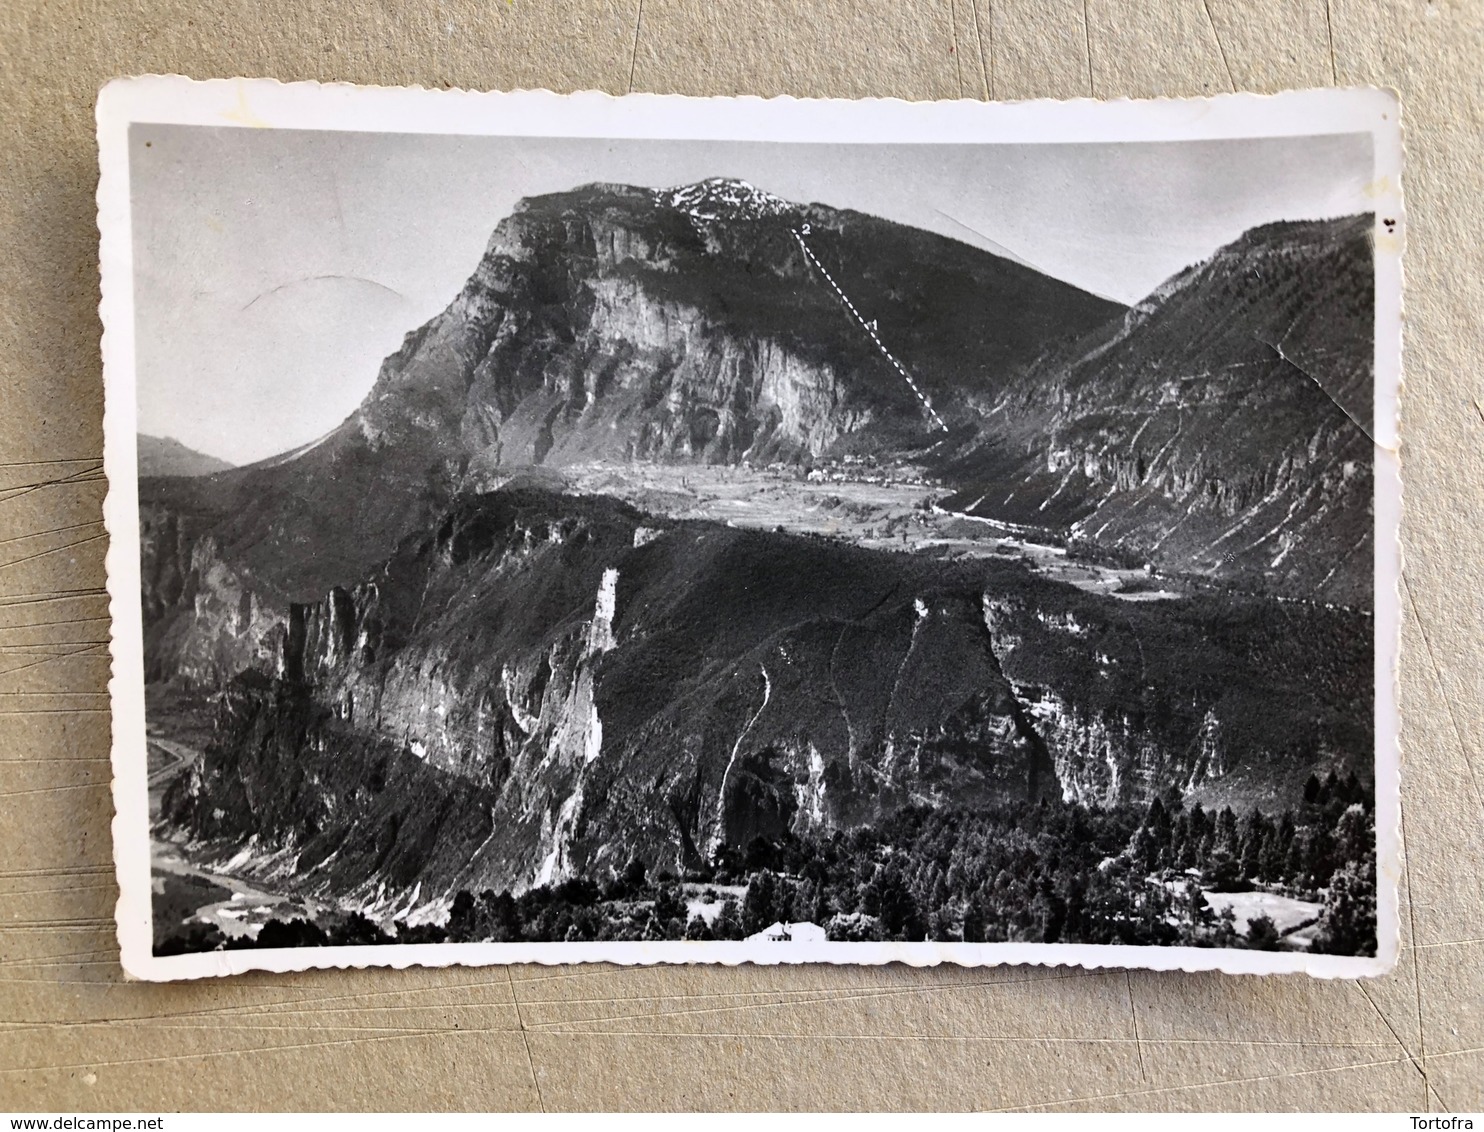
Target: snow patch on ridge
x=725 y=198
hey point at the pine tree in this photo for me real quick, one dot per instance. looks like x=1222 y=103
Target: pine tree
x=633 y=876
x=973 y=925
x=1297 y=867
x=461 y=918
x=1275 y=854
x=1198 y=838
x=500 y=918
x=1311 y=790
x=1249 y=844
x=1225 y=840
x=728 y=923
x=785 y=894
x=1179 y=843
x=757 y=905
x=1348 y=924
x=889 y=899
x=669 y=904
x=1328 y=788
x=1192 y=907
x=726 y=864
x=655 y=928
x=1354 y=836
x=698 y=929
x=1321 y=862
x=1150 y=849
x=937 y=890
x=1225 y=932
x=1262 y=934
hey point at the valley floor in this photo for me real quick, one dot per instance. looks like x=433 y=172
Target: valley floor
x=880 y=508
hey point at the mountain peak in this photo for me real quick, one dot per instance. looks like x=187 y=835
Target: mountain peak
x=166 y=456
x=726 y=198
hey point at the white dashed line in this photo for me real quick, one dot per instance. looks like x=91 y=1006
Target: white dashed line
x=844 y=298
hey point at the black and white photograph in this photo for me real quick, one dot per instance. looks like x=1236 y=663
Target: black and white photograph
x=700 y=530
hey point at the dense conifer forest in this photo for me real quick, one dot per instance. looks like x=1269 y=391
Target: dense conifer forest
x=1054 y=873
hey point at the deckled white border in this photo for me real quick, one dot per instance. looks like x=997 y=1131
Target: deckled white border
x=260 y=103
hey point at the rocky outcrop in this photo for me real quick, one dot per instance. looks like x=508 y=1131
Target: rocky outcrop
x=204 y=619
x=421 y=685
x=1220 y=429
x=619 y=323
x=635 y=714
x=604 y=697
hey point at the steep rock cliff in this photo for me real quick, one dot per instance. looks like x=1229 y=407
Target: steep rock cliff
x=617 y=695
x=577 y=683
x=621 y=323
x=1220 y=428
x=421 y=686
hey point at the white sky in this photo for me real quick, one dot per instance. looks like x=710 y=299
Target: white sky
x=275 y=269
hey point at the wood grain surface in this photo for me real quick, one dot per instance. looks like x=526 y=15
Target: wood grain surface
x=75 y=1036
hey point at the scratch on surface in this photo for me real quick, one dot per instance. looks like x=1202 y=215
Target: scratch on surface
x=318 y=1001
x=44 y=463
x=52 y=891
x=57 y=595
x=1427 y=1090
x=48 y=647
x=1165 y=1089
x=1412 y=924
x=313 y=1005
x=1437 y=676
x=97 y=693
x=815 y=1035
x=78 y=957
x=525 y=1035
x=81 y=923
x=634 y=55
x=1006 y=976
x=54 y=789
x=318 y=279
x=54 y=711
x=1128 y=982
x=90 y=649
x=986 y=61
x=168 y=1021
x=1277 y=348
x=775 y=1000
x=167 y=1058
x=91 y=474
x=958 y=59
x=50 y=624
x=1221 y=47
x=1087 y=37
x=106 y=928
x=208 y=1018
x=51 y=531
x=53 y=550
x=413 y=1030
x=1329 y=27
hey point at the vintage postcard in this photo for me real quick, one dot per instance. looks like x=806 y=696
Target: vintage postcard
x=650 y=529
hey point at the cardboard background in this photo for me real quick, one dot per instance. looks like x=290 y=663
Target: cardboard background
x=74 y=1036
